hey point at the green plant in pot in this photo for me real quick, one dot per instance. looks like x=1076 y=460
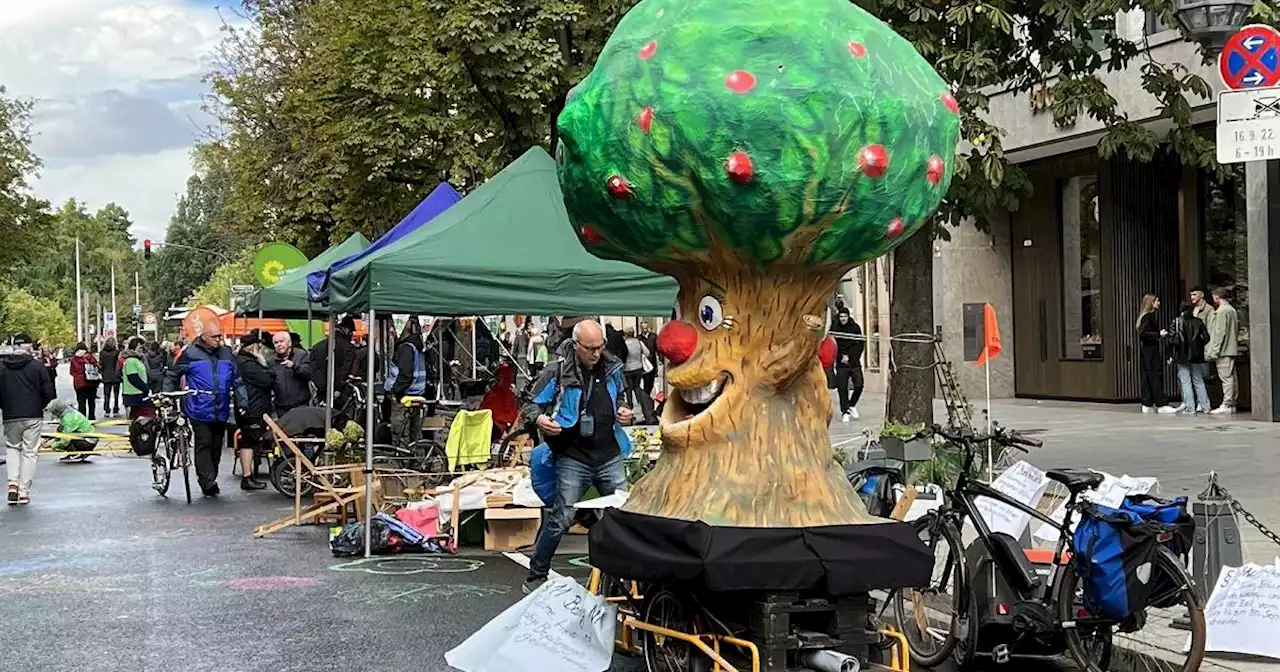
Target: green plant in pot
x=902 y=442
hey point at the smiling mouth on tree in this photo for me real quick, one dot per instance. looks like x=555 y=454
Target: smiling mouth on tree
x=689 y=402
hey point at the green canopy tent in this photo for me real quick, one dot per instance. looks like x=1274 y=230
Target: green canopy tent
x=506 y=248
x=287 y=299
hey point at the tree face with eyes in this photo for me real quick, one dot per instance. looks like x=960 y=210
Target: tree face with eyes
x=756 y=152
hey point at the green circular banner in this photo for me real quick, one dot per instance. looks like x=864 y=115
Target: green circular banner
x=274 y=260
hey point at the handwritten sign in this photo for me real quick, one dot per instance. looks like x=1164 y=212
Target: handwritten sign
x=1243 y=613
x=560 y=626
x=1022 y=483
x=1110 y=494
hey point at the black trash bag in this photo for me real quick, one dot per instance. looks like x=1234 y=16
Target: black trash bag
x=350 y=542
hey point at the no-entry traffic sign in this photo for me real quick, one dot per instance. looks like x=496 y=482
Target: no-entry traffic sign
x=1251 y=58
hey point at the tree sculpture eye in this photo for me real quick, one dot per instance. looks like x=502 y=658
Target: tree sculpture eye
x=710 y=314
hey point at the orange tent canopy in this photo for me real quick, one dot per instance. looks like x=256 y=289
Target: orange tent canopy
x=234 y=327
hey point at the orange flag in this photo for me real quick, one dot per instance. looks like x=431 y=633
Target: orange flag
x=990 y=335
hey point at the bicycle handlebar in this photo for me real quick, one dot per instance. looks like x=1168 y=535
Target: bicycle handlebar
x=176 y=395
x=1000 y=435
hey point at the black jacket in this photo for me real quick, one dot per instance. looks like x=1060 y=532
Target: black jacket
x=293 y=386
x=344 y=361
x=615 y=342
x=156 y=363
x=25 y=387
x=1150 y=341
x=256 y=381
x=109 y=362
x=847 y=345
x=1189 y=336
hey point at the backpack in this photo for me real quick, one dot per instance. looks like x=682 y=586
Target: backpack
x=92 y=373
x=1116 y=551
x=874 y=484
x=142 y=436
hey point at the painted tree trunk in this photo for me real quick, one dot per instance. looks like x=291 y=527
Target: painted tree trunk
x=760 y=454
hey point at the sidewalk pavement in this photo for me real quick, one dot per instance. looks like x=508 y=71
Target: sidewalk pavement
x=1179 y=450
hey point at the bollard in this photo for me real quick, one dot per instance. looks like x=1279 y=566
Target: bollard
x=1217 y=539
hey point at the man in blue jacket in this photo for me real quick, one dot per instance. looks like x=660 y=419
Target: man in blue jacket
x=209 y=368
x=576 y=408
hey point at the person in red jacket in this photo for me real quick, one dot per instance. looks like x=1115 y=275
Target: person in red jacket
x=85 y=378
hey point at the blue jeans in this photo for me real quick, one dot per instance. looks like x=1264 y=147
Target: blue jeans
x=1194 y=394
x=573 y=479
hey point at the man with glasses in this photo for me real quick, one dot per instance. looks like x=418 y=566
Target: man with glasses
x=575 y=405
x=207 y=366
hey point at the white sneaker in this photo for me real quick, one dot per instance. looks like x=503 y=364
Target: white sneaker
x=1167 y=410
x=854 y=413
x=1223 y=410
x=845 y=418
x=1148 y=409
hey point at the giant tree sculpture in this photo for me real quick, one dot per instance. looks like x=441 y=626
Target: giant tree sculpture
x=755 y=151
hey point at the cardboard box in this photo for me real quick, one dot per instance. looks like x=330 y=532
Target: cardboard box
x=511 y=528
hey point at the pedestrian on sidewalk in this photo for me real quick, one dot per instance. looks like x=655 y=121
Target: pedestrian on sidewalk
x=1189 y=338
x=209 y=369
x=1151 y=337
x=576 y=407
x=636 y=367
x=85 y=378
x=1200 y=305
x=1224 y=346
x=650 y=340
x=111 y=363
x=849 y=348
x=25 y=390
x=135 y=384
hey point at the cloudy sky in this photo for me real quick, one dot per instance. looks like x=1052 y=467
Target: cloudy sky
x=117 y=85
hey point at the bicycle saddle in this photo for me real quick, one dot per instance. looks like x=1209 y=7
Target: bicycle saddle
x=413 y=400
x=1076 y=480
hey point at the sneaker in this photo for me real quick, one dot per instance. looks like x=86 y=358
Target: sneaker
x=532 y=583
x=846 y=417
x=854 y=413
x=1167 y=410
x=1148 y=409
x=1202 y=409
x=250 y=484
x=1223 y=410
x=13 y=494
x=24 y=498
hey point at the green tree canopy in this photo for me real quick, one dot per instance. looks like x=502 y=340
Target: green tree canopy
x=42 y=319
x=22 y=216
x=217 y=290
x=810 y=133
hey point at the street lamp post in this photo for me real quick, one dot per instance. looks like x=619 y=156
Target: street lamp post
x=1211 y=22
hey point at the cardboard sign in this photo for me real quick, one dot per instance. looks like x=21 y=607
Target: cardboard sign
x=1023 y=483
x=1243 y=613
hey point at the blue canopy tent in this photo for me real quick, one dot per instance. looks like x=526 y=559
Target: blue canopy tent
x=440 y=199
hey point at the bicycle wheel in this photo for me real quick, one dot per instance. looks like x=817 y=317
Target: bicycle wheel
x=184 y=457
x=932 y=618
x=435 y=461
x=160 y=470
x=1159 y=648
x=668 y=654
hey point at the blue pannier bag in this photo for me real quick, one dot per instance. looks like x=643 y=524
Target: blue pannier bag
x=542 y=473
x=1115 y=553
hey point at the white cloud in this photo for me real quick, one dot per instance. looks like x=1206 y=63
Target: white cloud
x=117 y=87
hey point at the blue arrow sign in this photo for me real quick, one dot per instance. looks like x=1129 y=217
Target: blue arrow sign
x=1254 y=78
x=1252 y=43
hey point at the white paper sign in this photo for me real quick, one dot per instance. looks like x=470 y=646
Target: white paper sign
x=1022 y=483
x=559 y=626
x=1110 y=494
x=1243 y=613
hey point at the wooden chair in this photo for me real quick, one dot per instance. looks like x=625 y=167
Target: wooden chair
x=328 y=495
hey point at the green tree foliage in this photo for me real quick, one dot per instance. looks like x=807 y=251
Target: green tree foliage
x=217 y=290
x=339 y=116
x=22 y=216
x=201 y=234
x=42 y=319
x=822 y=138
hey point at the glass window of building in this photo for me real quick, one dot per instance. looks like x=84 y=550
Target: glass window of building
x=1081 y=269
x=1155 y=23
x=1226 y=242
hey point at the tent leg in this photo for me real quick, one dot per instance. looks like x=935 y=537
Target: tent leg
x=473 y=348
x=328 y=395
x=309 y=316
x=368 y=446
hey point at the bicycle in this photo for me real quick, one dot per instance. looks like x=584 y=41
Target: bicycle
x=174 y=441
x=1045 y=614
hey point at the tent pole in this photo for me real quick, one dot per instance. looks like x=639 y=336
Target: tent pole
x=473 y=347
x=309 y=316
x=328 y=394
x=368 y=446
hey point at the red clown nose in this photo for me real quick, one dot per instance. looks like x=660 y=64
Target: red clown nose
x=677 y=341
x=827 y=352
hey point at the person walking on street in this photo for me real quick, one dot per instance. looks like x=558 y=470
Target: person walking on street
x=85 y=378
x=1190 y=336
x=408 y=377
x=1151 y=337
x=650 y=340
x=136 y=383
x=49 y=357
x=292 y=372
x=253 y=401
x=575 y=405
x=1224 y=346
x=25 y=391
x=111 y=363
x=209 y=369
x=849 y=347
x=344 y=360
x=634 y=370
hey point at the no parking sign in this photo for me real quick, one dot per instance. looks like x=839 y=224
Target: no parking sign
x=1251 y=58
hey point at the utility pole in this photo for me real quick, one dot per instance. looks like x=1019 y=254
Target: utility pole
x=79 y=300
x=114 y=312
x=137 y=301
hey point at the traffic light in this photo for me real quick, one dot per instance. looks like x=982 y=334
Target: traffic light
x=146 y=249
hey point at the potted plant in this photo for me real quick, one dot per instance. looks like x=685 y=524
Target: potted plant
x=900 y=443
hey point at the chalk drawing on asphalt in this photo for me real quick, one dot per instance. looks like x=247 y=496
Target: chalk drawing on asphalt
x=409 y=565
x=425 y=592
